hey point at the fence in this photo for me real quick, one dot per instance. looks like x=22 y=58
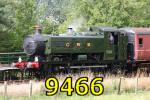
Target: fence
x=119 y=86
x=6 y=89
x=31 y=87
x=8 y=58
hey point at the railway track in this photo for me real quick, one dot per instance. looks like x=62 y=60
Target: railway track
x=7 y=73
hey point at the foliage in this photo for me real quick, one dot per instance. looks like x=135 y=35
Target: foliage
x=6 y=24
x=25 y=19
x=113 y=12
x=49 y=27
x=17 y=17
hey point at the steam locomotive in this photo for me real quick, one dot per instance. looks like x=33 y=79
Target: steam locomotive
x=103 y=47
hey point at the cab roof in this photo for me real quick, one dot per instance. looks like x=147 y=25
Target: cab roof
x=135 y=30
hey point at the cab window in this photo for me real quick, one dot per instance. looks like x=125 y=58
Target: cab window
x=111 y=38
x=140 y=42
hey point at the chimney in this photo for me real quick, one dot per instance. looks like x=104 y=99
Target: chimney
x=38 y=29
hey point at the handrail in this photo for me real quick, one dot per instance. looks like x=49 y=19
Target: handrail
x=12 y=53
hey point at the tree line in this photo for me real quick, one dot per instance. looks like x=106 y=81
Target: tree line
x=17 y=17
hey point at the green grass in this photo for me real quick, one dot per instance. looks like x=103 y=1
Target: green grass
x=126 y=96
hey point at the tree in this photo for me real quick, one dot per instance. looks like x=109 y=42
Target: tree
x=17 y=17
x=120 y=13
x=6 y=24
x=55 y=14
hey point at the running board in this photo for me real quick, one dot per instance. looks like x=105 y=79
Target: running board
x=96 y=66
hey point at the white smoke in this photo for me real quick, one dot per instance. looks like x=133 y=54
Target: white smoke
x=77 y=23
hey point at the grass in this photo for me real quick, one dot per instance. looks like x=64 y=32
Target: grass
x=127 y=96
x=110 y=85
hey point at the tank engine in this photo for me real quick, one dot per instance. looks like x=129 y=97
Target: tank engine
x=99 y=47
